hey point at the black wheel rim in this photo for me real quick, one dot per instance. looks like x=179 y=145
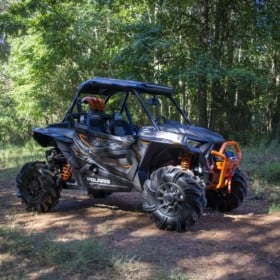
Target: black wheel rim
x=34 y=188
x=170 y=198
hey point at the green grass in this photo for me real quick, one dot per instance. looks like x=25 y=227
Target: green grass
x=262 y=162
x=177 y=274
x=69 y=257
x=262 y=165
x=12 y=157
x=274 y=207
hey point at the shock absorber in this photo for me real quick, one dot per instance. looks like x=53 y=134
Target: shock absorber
x=66 y=172
x=186 y=161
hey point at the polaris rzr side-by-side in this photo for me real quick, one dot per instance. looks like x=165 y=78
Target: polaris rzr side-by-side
x=120 y=136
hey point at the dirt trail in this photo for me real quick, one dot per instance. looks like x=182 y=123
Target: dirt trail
x=244 y=244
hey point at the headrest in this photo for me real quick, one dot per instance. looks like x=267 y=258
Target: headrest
x=117 y=117
x=96 y=104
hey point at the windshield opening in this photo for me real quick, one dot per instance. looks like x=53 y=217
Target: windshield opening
x=159 y=108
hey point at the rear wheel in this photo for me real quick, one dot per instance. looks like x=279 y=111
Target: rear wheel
x=223 y=201
x=36 y=188
x=174 y=198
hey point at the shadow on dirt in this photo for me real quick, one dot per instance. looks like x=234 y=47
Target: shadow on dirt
x=243 y=244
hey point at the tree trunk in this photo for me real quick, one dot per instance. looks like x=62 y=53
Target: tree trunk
x=217 y=90
x=275 y=73
x=202 y=77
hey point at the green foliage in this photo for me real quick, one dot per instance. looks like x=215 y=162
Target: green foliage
x=177 y=274
x=271 y=172
x=13 y=157
x=262 y=160
x=245 y=79
x=262 y=165
x=74 y=256
x=146 y=50
x=274 y=207
x=223 y=53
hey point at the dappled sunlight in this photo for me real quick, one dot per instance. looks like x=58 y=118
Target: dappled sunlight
x=5 y=257
x=92 y=133
x=239 y=263
x=242 y=243
x=41 y=273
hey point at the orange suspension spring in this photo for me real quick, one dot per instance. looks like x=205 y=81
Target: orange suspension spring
x=66 y=172
x=186 y=161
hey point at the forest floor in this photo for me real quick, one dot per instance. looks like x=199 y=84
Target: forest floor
x=243 y=244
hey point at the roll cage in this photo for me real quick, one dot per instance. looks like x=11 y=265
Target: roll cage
x=107 y=88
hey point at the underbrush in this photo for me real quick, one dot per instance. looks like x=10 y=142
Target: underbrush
x=12 y=157
x=76 y=254
x=262 y=165
x=87 y=258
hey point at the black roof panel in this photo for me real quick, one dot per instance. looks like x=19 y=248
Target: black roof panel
x=100 y=84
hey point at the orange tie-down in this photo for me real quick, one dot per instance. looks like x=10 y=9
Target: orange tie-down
x=226 y=161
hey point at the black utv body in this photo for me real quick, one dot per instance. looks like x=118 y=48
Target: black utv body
x=119 y=136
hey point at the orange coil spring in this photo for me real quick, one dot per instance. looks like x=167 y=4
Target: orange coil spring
x=186 y=161
x=66 y=172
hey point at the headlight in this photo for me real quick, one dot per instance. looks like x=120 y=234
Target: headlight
x=172 y=137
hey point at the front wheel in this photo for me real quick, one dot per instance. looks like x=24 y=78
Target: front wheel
x=223 y=201
x=174 y=198
x=36 y=187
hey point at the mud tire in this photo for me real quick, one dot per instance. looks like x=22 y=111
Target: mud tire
x=225 y=202
x=175 y=199
x=36 y=187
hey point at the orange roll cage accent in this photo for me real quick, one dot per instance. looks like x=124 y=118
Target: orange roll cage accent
x=225 y=166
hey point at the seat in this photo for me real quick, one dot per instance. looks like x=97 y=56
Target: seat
x=96 y=123
x=119 y=126
x=94 y=120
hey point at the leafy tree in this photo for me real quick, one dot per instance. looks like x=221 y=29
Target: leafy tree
x=221 y=56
